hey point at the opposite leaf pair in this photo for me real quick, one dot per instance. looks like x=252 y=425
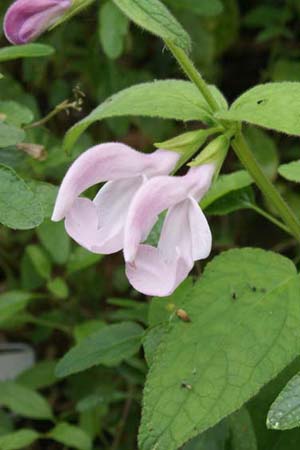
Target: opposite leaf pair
x=126 y=208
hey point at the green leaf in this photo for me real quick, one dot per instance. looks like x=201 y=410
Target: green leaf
x=270 y=105
x=226 y=184
x=58 y=287
x=81 y=259
x=20 y=439
x=213 y=439
x=19 y=208
x=39 y=260
x=15 y=113
x=85 y=329
x=39 y=376
x=25 y=51
x=113 y=27
x=10 y=135
x=11 y=303
x=71 y=436
x=24 y=401
x=290 y=171
x=156 y=18
x=201 y=7
x=243 y=331
x=234 y=201
x=284 y=413
x=109 y=347
x=264 y=149
x=56 y=241
x=168 y=99
x=242 y=432
x=151 y=341
x=46 y=194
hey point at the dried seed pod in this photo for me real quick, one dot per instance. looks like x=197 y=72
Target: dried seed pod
x=183 y=315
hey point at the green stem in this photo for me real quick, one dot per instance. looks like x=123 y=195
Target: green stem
x=240 y=146
x=269 y=217
x=193 y=74
x=247 y=158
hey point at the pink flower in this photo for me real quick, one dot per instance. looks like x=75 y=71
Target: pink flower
x=25 y=20
x=98 y=225
x=185 y=236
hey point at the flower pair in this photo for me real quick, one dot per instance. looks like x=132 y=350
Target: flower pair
x=121 y=216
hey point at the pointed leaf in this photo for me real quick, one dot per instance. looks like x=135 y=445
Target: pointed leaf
x=243 y=331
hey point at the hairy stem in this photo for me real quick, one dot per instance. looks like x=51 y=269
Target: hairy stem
x=248 y=160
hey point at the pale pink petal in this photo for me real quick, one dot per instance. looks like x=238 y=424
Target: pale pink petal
x=82 y=225
x=27 y=19
x=99 y=225
x=150 y=274
x=104 y=162
x=157 y=195
x=201 y=239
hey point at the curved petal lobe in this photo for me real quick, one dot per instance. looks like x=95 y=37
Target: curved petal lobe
x=105 y=162
x=26 y=19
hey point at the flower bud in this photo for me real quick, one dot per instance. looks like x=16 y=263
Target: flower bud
x=25 y=20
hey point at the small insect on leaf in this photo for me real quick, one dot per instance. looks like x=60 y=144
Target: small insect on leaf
x=183 y=315
x=186 y=385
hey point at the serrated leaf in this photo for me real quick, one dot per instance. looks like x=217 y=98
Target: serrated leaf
x=168 y=99
x=20 y=439
x=24 y=401
x=72 y=436
x=284 y=413
x=155 y=17
x=109 y=347
x=270 y=105
x=226 y=184
x=290 y=171
x=25 y=51
x=19 y=208
x=233 y=345
x=12 y=302
x=113 y=27
x=10 y=135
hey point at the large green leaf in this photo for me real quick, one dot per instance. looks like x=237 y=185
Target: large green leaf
x=19 y=208
x=55 y=240
x=20 y=439
x=284 y=413
x=25 y=51
x=109 y=346
x=270 y=105
x=242 y=431
x=244 y=329
x=168 y=99
x=24 y=401
x=156 y=18
x=15 y=113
